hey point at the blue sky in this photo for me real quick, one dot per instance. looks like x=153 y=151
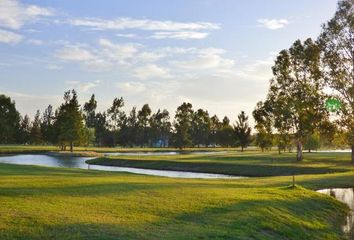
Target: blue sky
x=217 y=54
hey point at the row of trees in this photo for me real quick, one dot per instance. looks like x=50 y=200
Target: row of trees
x=302 y=75
x=71 y=125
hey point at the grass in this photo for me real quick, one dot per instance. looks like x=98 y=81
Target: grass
x=59 y=203
x=236 y=163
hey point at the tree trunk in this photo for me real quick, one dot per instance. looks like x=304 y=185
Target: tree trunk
x=71 y=146
x=352 y=153
x=279 y=150
x=299 y=155
x=241 y=148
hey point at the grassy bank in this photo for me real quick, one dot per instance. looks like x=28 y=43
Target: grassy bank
x=250 y=163
x=53 y=203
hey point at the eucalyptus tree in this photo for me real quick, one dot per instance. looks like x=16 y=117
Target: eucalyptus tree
x=337 y=45
x=215 y=127
x=242 y=131
x=296 y=91
x=182 y=125
x=25 y=130
x=47 y=125
x=115 y=114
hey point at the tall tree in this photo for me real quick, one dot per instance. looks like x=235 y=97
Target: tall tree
x=90 y=112
x=296 y=94
x=143 y=119
x=9 y=120
x=25 y=130
x=264 y=137
x=201 y=128
x=47 y=128
x=36 y=132
x=226 y=133
x=160 y=127
x=182 y=125
x=242 y=131
x=69 y=121
x=337 y=44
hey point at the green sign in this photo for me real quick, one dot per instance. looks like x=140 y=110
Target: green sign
x=333 y=104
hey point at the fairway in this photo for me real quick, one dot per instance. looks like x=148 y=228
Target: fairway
x=60 y=203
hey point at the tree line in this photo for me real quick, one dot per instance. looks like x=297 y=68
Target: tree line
x=72 y=124
x=312 y=89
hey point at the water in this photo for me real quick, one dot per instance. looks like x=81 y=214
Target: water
x=345 y=195
x=157 y=153
x=80 y=162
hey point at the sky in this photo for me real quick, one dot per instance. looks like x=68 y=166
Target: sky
x=216 y=54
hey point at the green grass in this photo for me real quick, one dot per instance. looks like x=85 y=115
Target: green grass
x=236 y=163
x=53 y=203
x=59 y=203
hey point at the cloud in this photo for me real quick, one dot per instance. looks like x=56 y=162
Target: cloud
x=14 y=15
x=131 y=88
x=126 y=35
x=206 y=58
x=141 y=24
x=82 y=86
x=36 y=42
x=117 y=52
x=272 y=24
x=183 y=35
x=74 y=53
x=151 y=71
x=9 y=37
x=53 y=67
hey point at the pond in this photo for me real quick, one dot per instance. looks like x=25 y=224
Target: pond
x=345 y=195
x=80 y=162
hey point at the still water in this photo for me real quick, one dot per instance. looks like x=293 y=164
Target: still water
x=345 y=195
x=79 y=162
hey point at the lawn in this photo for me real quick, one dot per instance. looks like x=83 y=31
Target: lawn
x=59 y=203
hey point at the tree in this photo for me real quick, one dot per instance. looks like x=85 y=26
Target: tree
x=9 y=121
x=47 y=128
x=337 y=45
x=69 y=121
x=160 y=127
x=242 y=131
x=36 y=132
x=115 y=113
x=295 y=95
x=226 y=133
x=182 y=125
x=25 y=130
x=200 y=128
x=312 y=142
x=264 y=137
x=90 y=112
x=143 y=122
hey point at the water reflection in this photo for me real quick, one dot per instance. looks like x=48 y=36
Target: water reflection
x=345 y=195
x=79 y=162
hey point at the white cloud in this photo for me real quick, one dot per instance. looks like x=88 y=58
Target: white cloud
x=151 y=71
x=183 y=35
x=53 y=67
x=82 y=87
x=272 y=24
x=131 y=88
x=74 y=53
x=9 y=37
x=14 y=14
x=126 y=35
x=141 y=24
x=118 y=52
x=36 y=42
x=207 y=58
